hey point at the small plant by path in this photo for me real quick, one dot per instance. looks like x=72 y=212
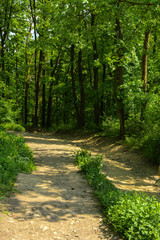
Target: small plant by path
x=134 y=215
x=15 y=157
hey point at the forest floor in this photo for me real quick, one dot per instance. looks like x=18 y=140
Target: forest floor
x=55 y=201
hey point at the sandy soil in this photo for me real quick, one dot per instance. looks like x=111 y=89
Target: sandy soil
x=55 y=202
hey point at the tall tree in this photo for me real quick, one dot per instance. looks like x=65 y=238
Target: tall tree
x=144 y=68
x=95 y=71
x=118 y=76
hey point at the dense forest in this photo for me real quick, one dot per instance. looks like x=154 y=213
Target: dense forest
x=82 y=63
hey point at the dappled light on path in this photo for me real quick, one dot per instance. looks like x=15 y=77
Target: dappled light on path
x=128 y=169
x=54 y=202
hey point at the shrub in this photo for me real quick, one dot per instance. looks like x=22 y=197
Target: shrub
x=133 y=215
x=15 y=157
x=151 y=146
x=13 y=126
x=110 y=127
x=136 y=216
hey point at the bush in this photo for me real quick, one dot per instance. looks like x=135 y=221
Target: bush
x=133 y=215
x=15 y=157
x=13 y=126
x=86 y=162
x=151 y=145
x=136 y=216
x=110 y=127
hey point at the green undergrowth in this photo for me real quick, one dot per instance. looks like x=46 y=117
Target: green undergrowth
x=12 y=126
x=15 y=157
x=135 y=216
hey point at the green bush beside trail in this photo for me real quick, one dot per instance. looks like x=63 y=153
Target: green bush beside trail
x=135 y=216
x=15 y=157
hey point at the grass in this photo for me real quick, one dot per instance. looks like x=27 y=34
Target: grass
x=135 y=216
x=15 y=157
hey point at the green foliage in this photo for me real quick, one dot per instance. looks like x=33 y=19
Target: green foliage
x=8 y=112
x=62 y=98
x=110 y=127
x=86 y=162
x=15 y=157
x=136 y=216
x=133 y=215
x=13 y=126
x=151 y=145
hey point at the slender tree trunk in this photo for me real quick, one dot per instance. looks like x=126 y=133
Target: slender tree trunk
x=2 y=55
x=2 y=64
x=26 y=103
x=102 y=109
x=90 y=72
x=44 y=98
x=118 y=80
x=144 y=68
x=28 y=64
x=26 y=92
x=50 y=97
x=37 y=88
x=33 y=12
x=144 y=59
x=82 y=94
x=88 y=59
x=4 y=31
x=74 y=87
x=95 y=71
x=155 y=43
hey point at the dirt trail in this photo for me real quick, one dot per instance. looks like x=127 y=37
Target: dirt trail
x=127 y=169
x=55 y=202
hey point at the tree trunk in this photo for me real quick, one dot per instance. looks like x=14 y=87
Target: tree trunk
x=102 y=109
x=49 y=108
x=2 y=55
x=118 y=80
x=88 y=59
x=144 y=68
x=37 y=87
x=44 y=98
x=74 y=87
x=82 y=94
x=26 y=103
x=144 y=59
x=95 y=71
x=28 y=64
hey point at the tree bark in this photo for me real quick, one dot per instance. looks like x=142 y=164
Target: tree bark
x=37 y=88
x=95 y=71
x=144 y=68
x=118 y=80
x=144 y=59
x=2 y=55
x=74 y=87
x=88 y=59
x=82 y=94
x=44 y=97
x=28 y=64
x=102 y=109
x=8 y=10
x=50 y=97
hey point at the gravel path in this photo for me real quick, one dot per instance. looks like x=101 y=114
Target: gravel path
x=54 y=202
